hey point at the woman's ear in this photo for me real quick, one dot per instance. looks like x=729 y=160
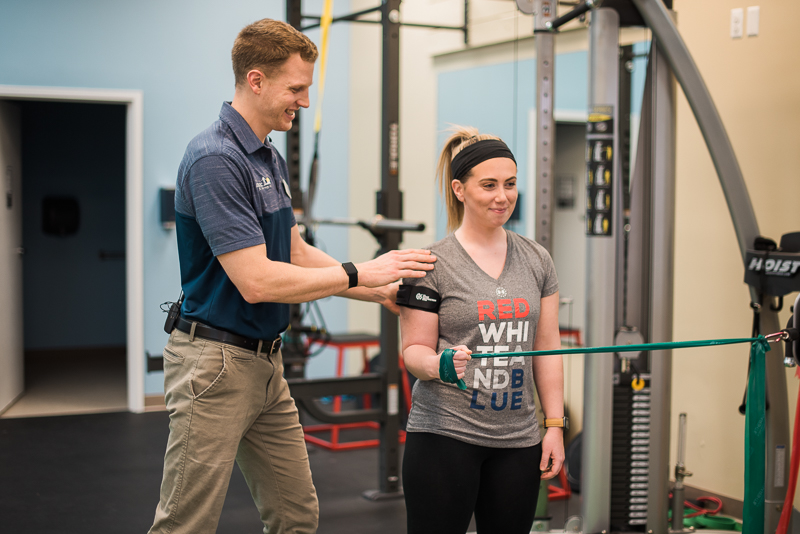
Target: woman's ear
x=458 y=189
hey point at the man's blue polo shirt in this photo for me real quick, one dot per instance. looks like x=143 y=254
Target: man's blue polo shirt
x=231 y=194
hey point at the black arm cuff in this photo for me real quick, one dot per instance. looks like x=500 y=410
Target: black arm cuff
x=418 y=298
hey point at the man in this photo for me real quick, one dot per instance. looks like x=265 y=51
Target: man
x=242 y=261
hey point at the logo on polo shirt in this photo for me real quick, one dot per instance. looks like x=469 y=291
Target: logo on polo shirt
x=264 y=184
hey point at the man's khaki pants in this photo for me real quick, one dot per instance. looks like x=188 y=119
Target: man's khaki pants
x=226 y=404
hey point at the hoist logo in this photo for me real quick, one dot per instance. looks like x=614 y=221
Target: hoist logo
x=774 y=266
x=424 y=298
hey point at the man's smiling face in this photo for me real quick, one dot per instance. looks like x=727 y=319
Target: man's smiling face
x=284 y=93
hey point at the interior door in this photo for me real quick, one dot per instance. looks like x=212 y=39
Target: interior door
x=11 y=336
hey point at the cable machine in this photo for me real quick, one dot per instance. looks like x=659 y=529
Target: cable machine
x=630 y=235
x=388 y=228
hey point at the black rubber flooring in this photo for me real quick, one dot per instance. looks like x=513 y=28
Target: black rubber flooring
x=101 y=474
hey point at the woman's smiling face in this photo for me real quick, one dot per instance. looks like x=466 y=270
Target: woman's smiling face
x=489 y=192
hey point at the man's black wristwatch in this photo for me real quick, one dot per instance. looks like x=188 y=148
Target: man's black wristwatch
x=352 y=272
x=558 y=422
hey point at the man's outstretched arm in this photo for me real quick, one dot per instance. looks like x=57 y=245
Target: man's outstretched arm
x=314 y=275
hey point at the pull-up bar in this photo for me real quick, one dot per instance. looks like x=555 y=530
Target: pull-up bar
x=355 y=17
x=376 y=225
x=352 y=17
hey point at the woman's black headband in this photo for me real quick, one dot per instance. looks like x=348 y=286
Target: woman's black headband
x=477 y=153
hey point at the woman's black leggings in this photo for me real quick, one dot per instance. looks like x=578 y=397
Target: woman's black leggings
x=445 y=480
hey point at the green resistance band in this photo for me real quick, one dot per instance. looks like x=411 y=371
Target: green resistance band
x=447 y=371
x=755 y=448
x=628 y=348
x=755 y=415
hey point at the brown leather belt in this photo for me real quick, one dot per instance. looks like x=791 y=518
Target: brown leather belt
x=214 y=334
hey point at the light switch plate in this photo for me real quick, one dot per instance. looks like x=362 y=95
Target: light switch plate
x=753 y=13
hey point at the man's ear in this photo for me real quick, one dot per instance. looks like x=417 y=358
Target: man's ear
x=255 y=79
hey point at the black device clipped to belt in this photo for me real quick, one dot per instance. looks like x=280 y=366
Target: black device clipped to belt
x=173 y=313
x=174 y=320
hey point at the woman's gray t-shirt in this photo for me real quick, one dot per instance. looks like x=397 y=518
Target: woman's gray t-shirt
x=489 y=316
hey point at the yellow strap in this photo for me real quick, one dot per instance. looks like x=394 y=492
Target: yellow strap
x=557 y=422
x=325 y=24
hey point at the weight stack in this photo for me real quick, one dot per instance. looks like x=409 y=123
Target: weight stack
x=630 y=451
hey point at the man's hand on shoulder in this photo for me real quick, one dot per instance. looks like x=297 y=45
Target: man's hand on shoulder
x=394 y=265
x=389 y=297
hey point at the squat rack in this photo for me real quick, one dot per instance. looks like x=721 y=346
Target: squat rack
x=389 y=205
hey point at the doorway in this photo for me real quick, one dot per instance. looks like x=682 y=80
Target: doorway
x=73 y=228
x=82 y=251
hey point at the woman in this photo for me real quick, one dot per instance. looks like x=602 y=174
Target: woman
x=491 y=291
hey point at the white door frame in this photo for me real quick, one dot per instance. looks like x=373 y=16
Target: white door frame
x=134 y=208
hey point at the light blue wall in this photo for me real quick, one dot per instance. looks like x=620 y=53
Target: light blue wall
x=178 y=53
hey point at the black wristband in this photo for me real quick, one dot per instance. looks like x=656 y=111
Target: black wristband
x=352 y=272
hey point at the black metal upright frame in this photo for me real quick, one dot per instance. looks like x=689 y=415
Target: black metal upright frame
x=294 y=359
x=390 y=206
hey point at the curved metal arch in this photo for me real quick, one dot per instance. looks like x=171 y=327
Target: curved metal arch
x=745 y=225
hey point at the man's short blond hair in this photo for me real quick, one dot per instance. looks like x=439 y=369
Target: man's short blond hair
x=265 y=45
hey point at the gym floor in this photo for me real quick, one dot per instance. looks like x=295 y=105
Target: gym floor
x=102 y=472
